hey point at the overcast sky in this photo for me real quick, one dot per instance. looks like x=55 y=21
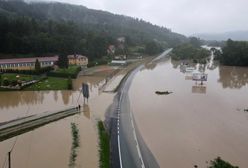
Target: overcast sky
x=182 y=16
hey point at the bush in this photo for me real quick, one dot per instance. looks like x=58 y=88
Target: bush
x=6 y=82
x=29 y=72
x=64 y=74
x=13 y=83
x=219 y=163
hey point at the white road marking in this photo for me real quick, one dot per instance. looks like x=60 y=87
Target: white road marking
x=119 y=146
x=137 y=143
x=119 y=150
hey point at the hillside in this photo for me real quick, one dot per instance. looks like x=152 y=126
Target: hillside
x=50 y=24
x=235 y=35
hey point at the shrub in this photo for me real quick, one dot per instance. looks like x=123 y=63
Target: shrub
x=219 y=163
x=6 y=82
x=69 y=83
x=13 y=83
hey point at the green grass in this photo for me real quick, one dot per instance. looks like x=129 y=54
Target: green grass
x=51 y=83
x=21 y=77
x=104 y=146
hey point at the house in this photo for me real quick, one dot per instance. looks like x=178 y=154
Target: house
x=120 y=57
x=78 y=60
x=26 y=63
x=111 y=50
x=118 y=62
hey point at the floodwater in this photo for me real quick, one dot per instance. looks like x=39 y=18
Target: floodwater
x=52 y=145
x=196 y=123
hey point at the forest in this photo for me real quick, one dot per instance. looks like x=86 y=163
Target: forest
x=37 y=29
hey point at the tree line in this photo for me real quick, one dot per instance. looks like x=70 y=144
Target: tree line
x=47 y=28
x=190 y=51
x=234 y=53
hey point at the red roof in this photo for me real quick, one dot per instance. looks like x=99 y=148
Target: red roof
x=28 y=60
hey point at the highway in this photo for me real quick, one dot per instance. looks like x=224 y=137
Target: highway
x=128 y=150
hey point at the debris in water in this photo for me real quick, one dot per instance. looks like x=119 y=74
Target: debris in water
x=163 y=92
x=245 y=110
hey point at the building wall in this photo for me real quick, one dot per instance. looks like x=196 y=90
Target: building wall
x=25 y=66
x=78 y=61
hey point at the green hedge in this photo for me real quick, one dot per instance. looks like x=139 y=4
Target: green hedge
x=28 y=72
x=64 y=74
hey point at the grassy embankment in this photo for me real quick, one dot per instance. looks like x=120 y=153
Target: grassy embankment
x=104 y=146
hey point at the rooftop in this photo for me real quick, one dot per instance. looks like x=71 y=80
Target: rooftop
x=25 y=60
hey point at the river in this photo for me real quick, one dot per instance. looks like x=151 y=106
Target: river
x=196 y=123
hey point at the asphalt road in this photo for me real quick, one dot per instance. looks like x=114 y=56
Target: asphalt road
x=128 y=150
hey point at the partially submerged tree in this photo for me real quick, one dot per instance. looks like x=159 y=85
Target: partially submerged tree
x=219 y=163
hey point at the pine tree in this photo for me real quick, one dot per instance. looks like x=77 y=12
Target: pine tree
x=63 y=61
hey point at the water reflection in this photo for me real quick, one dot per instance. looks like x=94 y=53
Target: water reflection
x=149 y=66
x=233 y=77
x=199 y=89
x=86 y=110
x=92 y=81
x=66 y=95
x=14 y=99
x=55 y=95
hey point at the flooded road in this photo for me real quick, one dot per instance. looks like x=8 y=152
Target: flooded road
x=53 y=145
x=195 y=123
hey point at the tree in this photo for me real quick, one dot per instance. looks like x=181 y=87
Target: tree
x=152 y=48
x=37 y=65
x=69 y=83
x=6 y=82
x=63 y=61
x=235 y=53
x=196 y=42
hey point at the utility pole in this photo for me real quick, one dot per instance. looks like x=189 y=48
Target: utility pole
x=9 y=159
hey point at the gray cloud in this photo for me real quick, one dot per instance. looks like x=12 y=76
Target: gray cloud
x=183 y=16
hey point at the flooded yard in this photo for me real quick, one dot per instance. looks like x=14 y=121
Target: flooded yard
x=52 y=145
x=196 y=123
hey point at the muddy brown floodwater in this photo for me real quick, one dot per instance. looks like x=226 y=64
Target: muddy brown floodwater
x=52 y=145
x=194 y=124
